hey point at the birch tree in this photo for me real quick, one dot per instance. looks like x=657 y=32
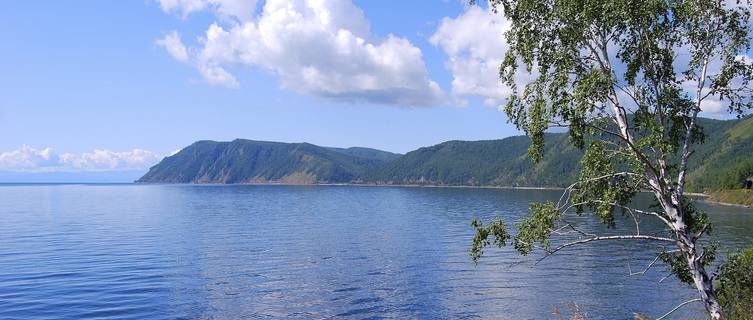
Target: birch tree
x=628 y=79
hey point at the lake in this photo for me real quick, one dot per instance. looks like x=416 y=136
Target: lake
x=310 y=252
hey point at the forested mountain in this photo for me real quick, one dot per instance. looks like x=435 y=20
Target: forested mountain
x=248 y=161
x=722 y=161
x=483 y=163
x=726 y=157
x=367 y=153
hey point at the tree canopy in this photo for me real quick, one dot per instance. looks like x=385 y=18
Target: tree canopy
x=627 y=79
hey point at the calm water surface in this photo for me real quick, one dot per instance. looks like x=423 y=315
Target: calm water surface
x=233 y=252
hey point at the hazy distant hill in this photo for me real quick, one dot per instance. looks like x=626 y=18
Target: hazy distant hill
x=725 y=158
x=247 y=161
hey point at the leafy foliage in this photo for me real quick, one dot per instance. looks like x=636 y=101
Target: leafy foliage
x=610 y=71
x=536 y=228
x=735 y=285
x=678 y=264
x=496 y=229
x=532 y=231
x=600 y=188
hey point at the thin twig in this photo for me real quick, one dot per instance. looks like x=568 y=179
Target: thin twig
x=665 y=277
x=649 y=265
x=622 y=237
x=678 y=307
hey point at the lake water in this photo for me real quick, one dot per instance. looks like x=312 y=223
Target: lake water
x=308 y=252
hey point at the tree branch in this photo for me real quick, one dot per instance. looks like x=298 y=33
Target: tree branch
x=650 y=264
x=600 y=238
x=678 y=307
x=701 y=232
x=689 y=132
x=572 y=186
x=649 y=213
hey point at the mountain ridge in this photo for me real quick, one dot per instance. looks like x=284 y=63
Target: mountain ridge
x=251 y=161
x=726 y=156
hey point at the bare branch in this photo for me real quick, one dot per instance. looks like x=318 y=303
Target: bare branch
x=689 y=132
x=701 y=232
x=650 y=264
x=649 y=213
x=637 y=224
x=600 y=238
x=581 y=232
x=572 y=186
x=665 y=277
x=630 y=94
x=609 y=132
x=678 y=307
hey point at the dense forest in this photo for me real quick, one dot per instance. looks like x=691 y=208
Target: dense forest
x=247 y=161
x=721 y=162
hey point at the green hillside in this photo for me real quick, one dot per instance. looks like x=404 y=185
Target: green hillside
x=726 y=158
x=247 y=161
x=722 y=162
x=483 y=163
x=367 y=153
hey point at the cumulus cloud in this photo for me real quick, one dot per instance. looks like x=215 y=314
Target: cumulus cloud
x=475 y=46
x=102 y=159
x=29 y=159
x=321 y=48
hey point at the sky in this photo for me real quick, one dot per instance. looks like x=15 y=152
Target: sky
x=115 y=86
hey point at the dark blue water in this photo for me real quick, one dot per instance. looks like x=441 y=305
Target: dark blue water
x=230 y=252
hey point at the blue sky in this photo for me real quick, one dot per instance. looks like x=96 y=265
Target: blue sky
x=117 y=85
x=85 y=75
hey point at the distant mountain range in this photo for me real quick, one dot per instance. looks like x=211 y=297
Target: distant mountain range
x=727 y=154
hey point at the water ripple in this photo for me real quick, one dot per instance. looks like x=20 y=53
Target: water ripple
x=301 y=252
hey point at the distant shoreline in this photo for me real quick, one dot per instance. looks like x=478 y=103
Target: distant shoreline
x=727 y=204
x=353 y=185
x=705 y=197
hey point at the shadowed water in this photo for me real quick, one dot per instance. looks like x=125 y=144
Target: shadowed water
x=308 y=252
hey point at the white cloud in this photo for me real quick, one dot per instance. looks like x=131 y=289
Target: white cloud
x=238 y=9
x=712 y=106
x=174 y=46
x=322 y=48
x=185 y=7
x=475 y=46
x=102 y=159
x=28 y=159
